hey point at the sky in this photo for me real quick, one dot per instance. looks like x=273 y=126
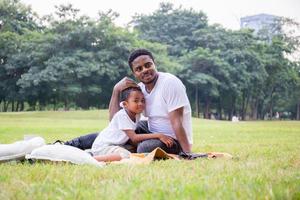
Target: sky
x=224 y=12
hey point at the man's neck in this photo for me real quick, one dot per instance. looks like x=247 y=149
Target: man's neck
x=149 y=86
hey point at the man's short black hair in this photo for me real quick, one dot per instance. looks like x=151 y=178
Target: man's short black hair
x=138 y=52
x=126 y=92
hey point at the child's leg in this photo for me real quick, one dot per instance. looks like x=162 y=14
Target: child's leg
x=110 y=153
x=108 y=158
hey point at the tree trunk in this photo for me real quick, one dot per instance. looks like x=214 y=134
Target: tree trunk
x=243 y=106
x=246 y=106
x=254 y=108
x=66 y=104
x=232 y=109
x=40 y=107
x=207 y=108
x=54 y=103
x=197 y=101
x=245 y=101
x=271 y=108
x=271 y=104
x=220 y=117
x=298 y=110
x=22 y=106
x=12 y=106
x=5 y=105
x=18 y=105
x=261 y=110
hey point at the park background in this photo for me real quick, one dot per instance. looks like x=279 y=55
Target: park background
x=66 y=60
x=56 y=77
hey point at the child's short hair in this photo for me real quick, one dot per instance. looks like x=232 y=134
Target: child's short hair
x=126 y=92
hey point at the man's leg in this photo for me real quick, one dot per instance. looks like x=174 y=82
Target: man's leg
x=142 y=128
x=83 y=142
x=147 y=146
x=150 y=145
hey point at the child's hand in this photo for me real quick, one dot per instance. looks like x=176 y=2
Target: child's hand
x=167 y=140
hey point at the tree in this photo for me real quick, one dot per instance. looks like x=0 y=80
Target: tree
x=16 y=21
x=207 y=73
x=282 y=69
x=170 y=26
x=75 y=60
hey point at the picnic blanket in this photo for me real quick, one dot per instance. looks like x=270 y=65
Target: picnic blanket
x=35 y=149
x=159 y=154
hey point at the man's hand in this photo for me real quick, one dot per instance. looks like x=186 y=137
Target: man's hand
x=168 y=141
x=124 y=83
x=114 y=100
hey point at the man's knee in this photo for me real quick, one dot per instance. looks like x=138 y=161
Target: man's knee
x=147 y=146
x=142 y=127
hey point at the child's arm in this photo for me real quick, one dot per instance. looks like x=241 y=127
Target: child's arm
x=135 y=138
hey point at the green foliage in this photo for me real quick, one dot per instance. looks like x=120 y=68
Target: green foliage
x=16 y=20
x=170 y=26
x=16 y=17
x=205 y=69
x=69 y=60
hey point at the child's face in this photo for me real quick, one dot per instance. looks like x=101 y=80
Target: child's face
x=135 y=103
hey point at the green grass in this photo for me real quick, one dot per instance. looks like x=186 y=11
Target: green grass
x=266 y=163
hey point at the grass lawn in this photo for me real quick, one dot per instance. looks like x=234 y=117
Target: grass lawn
x=266 y=163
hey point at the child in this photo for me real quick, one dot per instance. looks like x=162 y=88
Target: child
x=107 y=146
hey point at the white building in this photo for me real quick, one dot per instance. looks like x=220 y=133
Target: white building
x=264 y=24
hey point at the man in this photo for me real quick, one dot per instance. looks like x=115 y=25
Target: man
x=167 y=105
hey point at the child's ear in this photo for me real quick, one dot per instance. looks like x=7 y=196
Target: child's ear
x=125 y=104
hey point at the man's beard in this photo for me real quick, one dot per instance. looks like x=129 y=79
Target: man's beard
x=151 y=81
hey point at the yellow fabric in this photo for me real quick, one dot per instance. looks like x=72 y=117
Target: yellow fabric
x=158 y=154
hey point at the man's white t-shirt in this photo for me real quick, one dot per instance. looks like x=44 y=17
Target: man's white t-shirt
x=168 y=94
x=114 y=134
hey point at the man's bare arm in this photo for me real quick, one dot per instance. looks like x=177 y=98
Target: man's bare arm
x=176 y=118
x=114 y=104
x=114 y=100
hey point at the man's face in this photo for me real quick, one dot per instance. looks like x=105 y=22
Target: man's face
x=144 y=69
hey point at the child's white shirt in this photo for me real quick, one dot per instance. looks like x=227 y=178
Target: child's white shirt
x=114 y=134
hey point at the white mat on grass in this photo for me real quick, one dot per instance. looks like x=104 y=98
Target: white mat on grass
x=63 y=153
x=18 y=150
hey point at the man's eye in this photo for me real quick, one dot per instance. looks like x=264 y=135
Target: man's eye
x=138 y=69
x=147 y=65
